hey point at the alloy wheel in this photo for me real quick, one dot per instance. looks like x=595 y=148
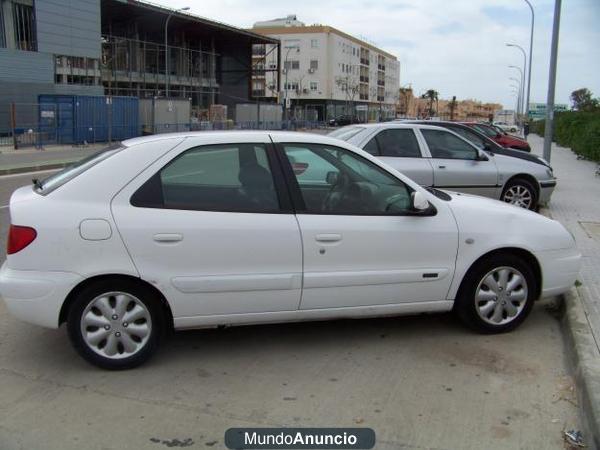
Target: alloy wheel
x=519 y=195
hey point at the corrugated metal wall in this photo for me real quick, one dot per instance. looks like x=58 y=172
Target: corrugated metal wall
x=68 y=27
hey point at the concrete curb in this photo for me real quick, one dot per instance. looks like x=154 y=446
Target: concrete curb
x=586 y=360
x=35 y=167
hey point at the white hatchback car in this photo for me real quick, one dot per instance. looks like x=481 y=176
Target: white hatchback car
x=228 y=228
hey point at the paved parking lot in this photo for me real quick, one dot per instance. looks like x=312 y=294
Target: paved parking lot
x=420 y=382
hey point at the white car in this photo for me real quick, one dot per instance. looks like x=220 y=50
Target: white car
x=206 y=229
x=509 y=128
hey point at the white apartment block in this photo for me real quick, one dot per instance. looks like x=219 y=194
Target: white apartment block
x=325 y=72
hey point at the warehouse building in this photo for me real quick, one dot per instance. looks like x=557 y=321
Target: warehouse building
x=117 y=47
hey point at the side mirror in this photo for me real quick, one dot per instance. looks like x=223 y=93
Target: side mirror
x=419 y=202
x=481 y=156
x=332 y=178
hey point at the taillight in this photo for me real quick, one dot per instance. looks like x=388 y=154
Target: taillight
x=18 y=238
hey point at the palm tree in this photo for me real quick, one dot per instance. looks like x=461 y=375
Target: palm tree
x=432 y=96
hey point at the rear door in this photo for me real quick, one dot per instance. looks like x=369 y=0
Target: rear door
x=210 y=225
x=456 y=165
x=400 y=148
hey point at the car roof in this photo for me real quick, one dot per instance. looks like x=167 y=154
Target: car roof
x=236 y=136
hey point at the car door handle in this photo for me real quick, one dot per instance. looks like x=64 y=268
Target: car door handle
x=328 y=237
x=441 y=167
x=168 y=237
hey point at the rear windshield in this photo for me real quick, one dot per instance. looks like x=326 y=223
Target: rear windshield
x=346 y=133
x=68 y=173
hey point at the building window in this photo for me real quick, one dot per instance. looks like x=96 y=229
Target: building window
x=291 y=86
x=24 y=27
x=291 y=43
x=291 y=65
x=314 y=86
x=314 y=64
x=314 y=43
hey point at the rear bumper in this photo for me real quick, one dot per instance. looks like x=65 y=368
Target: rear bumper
x=36 y=297
x=559 y=270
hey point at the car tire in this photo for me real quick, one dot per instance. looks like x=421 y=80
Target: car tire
x=520 y=192
x=497 y=294
x=116 y=324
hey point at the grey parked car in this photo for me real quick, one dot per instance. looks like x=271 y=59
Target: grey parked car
x=439 y=158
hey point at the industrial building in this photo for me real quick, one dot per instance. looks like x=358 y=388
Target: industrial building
x=117 y=48
x=325 y=72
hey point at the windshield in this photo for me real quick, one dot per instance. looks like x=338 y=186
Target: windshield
x=346 y=133
x=67 y=174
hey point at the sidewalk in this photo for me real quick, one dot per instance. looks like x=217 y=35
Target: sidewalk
x=576 y=204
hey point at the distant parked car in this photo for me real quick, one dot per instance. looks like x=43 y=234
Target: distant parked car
x=508 y=128
x=200 y=230
x=437 y=157
x=483 y=141
x=343 y=120
x=501 y=137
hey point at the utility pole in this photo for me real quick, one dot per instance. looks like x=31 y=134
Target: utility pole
x=552 y=83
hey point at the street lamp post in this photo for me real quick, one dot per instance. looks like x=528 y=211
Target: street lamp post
x=185 y=8
x=530 y=53
x=519 y=99
x=524 y=68
x=285 y=87
x=520 y=84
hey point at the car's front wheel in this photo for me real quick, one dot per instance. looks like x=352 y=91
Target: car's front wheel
x=115 y=324
x=520 y=192
x=497 y=294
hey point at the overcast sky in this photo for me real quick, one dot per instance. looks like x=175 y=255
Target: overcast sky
x=454 y=46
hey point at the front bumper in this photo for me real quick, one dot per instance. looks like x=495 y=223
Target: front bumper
x=559 y=270
x=546 y=190
x=36 y=297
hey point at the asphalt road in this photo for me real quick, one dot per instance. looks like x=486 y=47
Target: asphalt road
x=419 y=382
x=30 y=157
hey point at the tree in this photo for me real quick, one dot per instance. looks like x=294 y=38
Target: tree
x=582 y=100
x=350 y=86
x=432 y=96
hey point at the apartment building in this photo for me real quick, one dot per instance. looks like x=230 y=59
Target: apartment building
x=324 y=72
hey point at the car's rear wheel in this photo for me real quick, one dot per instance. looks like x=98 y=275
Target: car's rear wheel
x=497 y=294
x=520 y=192
x=115 y=324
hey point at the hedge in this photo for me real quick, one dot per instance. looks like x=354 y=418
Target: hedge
x=578 y=130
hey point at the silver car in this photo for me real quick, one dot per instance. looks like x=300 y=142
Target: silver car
x=439 y=158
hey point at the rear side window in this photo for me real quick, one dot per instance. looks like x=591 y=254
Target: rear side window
x=400 y=143
x=232 y=177
x=64 y=176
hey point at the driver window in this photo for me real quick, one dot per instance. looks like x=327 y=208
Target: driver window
x=444 y=145
x=336 y=181
x=471 y=137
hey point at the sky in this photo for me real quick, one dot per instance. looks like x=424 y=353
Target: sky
x=456 y=47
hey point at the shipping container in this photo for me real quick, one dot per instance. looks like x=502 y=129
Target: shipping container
x=163 y=115
x=79 y=119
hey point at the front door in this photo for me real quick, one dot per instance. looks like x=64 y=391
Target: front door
x=361 y=245
x=209 y=228
x=456 y=164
